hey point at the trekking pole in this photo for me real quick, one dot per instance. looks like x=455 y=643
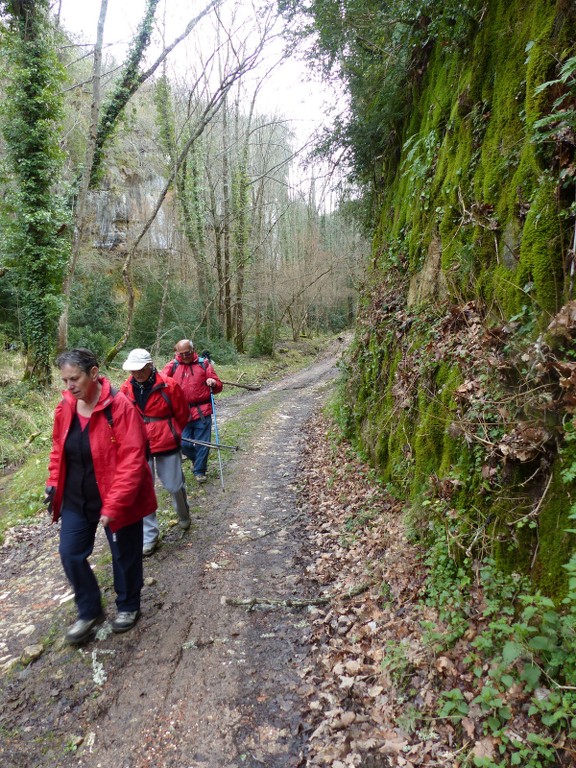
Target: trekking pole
x=210 y=445
x=217 y=438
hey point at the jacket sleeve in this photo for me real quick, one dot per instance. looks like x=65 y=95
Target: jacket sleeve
x=179 y=403
x=55 y=458
x=131 y=468
x=211 y=374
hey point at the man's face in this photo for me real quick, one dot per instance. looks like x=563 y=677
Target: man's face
x=185 y=350
x=143 y=374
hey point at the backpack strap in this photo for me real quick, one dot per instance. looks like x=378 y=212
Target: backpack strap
x=168 y=401
x=108 y=408
x=166 y=398
x=201 y=361
x=149 y=419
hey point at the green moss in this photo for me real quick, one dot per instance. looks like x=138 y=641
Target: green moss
x=437 y=452
x=541 y=252
x=471 y=177
x=555 y=543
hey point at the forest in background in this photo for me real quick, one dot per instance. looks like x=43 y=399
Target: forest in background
x=144 y=203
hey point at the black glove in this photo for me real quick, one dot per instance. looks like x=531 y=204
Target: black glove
x=50 y=491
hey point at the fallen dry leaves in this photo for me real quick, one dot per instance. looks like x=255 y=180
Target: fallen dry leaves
x=373 y=685
x=356 y=535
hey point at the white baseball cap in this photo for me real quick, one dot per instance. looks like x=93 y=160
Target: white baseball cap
x=136 y=360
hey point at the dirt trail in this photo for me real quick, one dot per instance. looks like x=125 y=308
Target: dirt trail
x=198 y=683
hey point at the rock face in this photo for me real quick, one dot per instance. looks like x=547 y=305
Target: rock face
x=430 y=283
x=455 y=390
x=120 y=212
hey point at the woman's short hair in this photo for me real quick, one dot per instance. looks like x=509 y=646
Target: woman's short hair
x=80 y=357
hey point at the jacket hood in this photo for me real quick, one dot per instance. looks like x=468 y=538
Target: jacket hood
x=105 y=398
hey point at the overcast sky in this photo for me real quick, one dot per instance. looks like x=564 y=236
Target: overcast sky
x=290 y=90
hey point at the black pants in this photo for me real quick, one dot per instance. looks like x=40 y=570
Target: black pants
x=77 y=535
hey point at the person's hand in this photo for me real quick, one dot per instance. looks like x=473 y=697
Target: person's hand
x=104 y=520
x=49 y=492
x=211 y=382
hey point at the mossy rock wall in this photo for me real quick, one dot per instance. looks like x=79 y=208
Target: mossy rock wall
x=475 y=189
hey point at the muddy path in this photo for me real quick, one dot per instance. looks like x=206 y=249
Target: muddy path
x=200 y=682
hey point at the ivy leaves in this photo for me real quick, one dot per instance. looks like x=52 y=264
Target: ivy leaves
x=34 y=247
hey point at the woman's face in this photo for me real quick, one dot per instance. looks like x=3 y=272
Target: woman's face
x=82 y=385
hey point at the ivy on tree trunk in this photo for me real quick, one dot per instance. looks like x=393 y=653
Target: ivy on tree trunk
x=35 y=248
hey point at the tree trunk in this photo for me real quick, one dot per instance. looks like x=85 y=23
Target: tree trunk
x=226 y=276
x=80 y=208
x=31 y=117
x=156 y=346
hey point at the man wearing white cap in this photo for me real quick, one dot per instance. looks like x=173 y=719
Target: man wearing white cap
x=164 y=410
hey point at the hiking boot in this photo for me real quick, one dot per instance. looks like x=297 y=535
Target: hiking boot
x=182 y=509
x=125 y=621
x=150 y=548
x=83 y=629
x=200 y=478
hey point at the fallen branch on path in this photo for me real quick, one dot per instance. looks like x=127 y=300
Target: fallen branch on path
x=251 y=387
x=291 y=602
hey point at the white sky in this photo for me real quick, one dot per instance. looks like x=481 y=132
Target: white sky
x=290 y=90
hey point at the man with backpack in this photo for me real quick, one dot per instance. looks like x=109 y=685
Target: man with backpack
x=199 y=381
x=164 y=410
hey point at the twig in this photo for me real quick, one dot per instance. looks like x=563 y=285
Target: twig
x=31 y=439
x=291 y=602
x=534 y=512
x=251 y=387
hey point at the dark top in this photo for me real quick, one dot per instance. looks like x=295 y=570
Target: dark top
x=142 y=391
x=80 y=490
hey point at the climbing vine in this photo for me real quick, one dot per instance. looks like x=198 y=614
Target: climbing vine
x=125 y=88
x=35 y=248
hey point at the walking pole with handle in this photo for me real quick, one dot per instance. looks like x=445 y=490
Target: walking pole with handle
x=217 y=438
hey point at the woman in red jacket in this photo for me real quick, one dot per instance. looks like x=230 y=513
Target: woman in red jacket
x=98 y=473
x=164 y=410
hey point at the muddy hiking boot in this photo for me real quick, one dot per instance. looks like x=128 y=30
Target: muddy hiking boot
x=149 y=548
x=125 y=621
x=83 y=629
x=182 y=509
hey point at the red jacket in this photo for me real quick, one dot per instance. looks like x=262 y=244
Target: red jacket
x=165 y=413
x=119 y=455
x=192 y=379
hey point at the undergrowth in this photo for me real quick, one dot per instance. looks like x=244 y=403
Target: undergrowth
x=520 y=659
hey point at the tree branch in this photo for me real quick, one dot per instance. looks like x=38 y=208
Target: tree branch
x=291 y=602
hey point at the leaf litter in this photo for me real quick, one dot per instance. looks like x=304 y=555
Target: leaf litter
x=373 y=684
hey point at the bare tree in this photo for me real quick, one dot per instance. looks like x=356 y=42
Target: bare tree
x=80 y=212
x=103 y=121
x=211 y=105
